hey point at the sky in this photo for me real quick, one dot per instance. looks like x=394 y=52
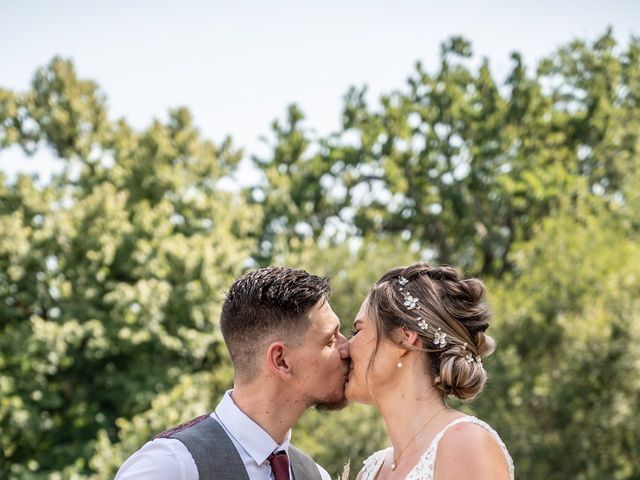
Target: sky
x=237 y=65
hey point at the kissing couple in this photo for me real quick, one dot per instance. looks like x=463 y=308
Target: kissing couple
x=418 y=338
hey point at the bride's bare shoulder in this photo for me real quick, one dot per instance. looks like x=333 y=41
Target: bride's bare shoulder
x=468 y=450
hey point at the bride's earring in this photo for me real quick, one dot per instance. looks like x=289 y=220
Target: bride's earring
x=399 y=365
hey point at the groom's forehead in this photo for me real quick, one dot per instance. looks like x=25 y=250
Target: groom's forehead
x=323 y=319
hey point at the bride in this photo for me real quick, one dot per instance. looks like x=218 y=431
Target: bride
x=419 y=337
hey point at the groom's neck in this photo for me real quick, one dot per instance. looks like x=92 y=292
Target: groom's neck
x=267 y=405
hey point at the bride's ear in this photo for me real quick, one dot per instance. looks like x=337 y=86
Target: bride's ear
x=408 y=337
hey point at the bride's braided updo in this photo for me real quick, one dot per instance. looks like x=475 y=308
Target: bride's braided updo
x=449 y=315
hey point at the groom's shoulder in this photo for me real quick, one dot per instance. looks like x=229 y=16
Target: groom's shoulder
x=165 y=455
x=183 y=426
x=161 y=459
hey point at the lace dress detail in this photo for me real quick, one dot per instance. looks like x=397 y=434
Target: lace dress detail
x=425 y=468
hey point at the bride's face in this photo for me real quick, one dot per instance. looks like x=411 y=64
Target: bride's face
x=367 y=377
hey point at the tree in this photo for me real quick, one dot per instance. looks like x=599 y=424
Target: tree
x=531 y=184
x=455 y=162
x=111 y=275
x=563 y=389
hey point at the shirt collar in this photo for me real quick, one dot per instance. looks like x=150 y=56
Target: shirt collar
x=255 y=441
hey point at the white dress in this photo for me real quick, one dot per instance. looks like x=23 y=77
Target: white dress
x=425 y=468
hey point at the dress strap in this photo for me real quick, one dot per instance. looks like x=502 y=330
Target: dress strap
x=373 y=463
x=486 y=426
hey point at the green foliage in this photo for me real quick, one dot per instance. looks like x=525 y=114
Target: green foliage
x=564 y=385
x=192 y=396
x=456 y=162
x=111 y=274
x=533 y=185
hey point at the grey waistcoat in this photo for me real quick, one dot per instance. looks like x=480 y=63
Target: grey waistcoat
x=216 y=456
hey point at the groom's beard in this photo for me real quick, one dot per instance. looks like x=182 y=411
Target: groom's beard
x=336 y=403
x=330 y=406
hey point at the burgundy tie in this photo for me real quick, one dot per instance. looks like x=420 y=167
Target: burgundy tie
x=279 y=465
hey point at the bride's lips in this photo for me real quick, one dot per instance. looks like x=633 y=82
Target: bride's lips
x=348 y=372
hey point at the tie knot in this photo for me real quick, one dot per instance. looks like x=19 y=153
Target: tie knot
x=279 y=465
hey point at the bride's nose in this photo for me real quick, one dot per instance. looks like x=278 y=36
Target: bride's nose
x=344 y=348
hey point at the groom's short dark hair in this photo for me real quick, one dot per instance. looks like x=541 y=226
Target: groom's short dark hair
x=266 y=305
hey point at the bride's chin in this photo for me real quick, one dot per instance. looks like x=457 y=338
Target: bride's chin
x=348 y=392
x=353 y=394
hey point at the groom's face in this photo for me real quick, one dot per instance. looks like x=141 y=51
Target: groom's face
x=321 y=362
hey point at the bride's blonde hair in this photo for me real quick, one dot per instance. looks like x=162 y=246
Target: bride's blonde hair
x=449 y=315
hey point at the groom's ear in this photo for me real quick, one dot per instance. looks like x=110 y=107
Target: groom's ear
x=278 y=362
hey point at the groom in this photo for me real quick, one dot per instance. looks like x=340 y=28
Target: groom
x=288 y=355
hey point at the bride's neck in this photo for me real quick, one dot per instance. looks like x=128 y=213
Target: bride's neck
x=405 y=409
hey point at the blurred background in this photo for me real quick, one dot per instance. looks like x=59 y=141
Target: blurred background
x=152 y=152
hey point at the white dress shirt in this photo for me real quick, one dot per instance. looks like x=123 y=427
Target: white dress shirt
x=168 y=458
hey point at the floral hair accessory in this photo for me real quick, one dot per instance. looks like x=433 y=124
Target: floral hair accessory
x=410 y=302
x=470 y=358
x=422 y=324
x=439 y=338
